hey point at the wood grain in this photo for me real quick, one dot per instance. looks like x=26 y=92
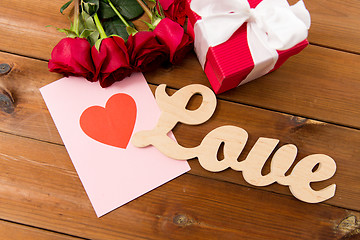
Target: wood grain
x=23 y=26
x=312 y=101
x=327 y=82
x=14 y=231
x=40 y=187
x=308 y=135
x=173 y=111
x=32 y=119
x=318 y=83
x=334 y=24
x=23 y=83
x=330 y=95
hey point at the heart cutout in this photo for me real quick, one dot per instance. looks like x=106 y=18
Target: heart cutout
x=112 y=125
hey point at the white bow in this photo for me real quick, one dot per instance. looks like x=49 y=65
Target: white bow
x=272 y=25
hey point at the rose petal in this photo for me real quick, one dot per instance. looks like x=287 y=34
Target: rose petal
x=111 y=61
x=186 y=45
x=71 y=56
x=165 y=4
x=175 y=10
x=169 y=33
x=145 y=52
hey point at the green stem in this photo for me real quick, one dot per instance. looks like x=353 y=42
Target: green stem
x=76 y=17
x=99 y=26
x=145 y=8
x=117 y=13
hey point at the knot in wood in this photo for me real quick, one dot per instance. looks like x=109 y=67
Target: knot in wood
x=4 y=68
x=298 y=120
x=6 y=102
x=350 y=227
x=182 y=220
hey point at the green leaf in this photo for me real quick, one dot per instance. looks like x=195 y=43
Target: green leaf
x=86 y=21
x=86 y=33
x=129 y=9
x=97 y=44
x=116 y=27
x=68 y=32
x=105 y=11
x=131 y=30
x=87 y=28
x=65 y=6
x=93 y=37
x=90 y=6
x=150 y=26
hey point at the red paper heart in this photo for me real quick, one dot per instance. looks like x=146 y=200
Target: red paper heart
x=112 y=125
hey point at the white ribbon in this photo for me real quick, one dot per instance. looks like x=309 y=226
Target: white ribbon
x=272 y=25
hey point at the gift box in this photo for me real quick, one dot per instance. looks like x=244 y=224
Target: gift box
x=237 y=41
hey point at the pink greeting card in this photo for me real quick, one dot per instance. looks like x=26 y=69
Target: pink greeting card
x=96 y=125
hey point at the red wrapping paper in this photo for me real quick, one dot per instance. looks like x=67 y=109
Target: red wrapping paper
x=228 y=64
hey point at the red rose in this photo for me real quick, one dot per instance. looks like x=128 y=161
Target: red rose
x=111 y=61
x=71 y=57
x=173 y=36
x=145 y=52
x=174 y=9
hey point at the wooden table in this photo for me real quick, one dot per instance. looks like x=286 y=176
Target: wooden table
x=312 y=101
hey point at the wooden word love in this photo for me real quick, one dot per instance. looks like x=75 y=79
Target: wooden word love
x=234 y=139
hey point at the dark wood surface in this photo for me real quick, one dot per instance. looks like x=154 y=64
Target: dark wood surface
x=312 y=101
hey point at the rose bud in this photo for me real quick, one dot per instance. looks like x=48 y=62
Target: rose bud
x=173 y=36
x=71 y=57
x=174 y=9
x=111 y=61
x=145 y=52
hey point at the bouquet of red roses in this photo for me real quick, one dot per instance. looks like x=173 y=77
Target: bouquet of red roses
x=103 y=45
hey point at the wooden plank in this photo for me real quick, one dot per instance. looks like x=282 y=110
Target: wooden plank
x=326 y=90
x=13 y=231
x=334 y=24
x=31 y=119
x=308 y=135
x=318 y=83
x=39 y=187
x=233 y=139
x=26 y=23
